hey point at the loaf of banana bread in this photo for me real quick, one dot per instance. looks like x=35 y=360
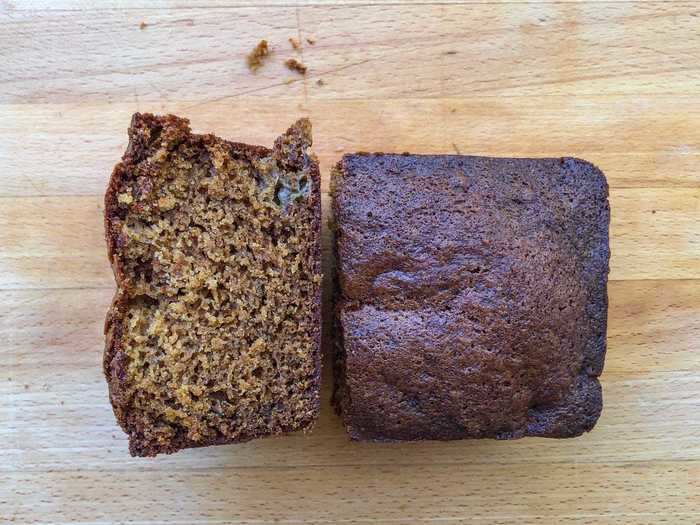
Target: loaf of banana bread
x=214 y=333
x=472 y=296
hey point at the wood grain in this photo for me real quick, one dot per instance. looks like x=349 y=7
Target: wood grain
x=365 y=52
x=82 y=6
x=360 y=493
x=611 y=131
x=615 y=82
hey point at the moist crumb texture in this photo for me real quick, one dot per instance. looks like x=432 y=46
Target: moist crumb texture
x=472 y=296
x=213 y=336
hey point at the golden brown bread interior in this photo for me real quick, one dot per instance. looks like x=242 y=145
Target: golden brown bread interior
x=214 y=333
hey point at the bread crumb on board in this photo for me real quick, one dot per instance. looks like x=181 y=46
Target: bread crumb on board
x=294 y=65
x=257 y=56
x=143 y=25
x=295 y=44
x=311 y=41
x=320 y=82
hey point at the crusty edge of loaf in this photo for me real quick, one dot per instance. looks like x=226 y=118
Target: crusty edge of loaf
x=340 y=399
x=585 y=401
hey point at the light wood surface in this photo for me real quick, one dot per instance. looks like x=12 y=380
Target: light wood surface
x=616 y=83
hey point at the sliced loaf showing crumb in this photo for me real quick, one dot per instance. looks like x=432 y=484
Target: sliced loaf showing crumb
x=214 y=333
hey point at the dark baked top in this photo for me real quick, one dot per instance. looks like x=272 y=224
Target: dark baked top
x=214 y=333
x=473 y=296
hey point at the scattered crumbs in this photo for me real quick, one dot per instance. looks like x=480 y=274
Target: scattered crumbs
x=311 y=41
x=450 y=52
x=653 y=211
x=143 y=25
x=26 y=386
x=320 y=82
x=256 y=57
x=109 y=451
x=295 y=44
x=114 y=437
x=294 y=65
x=63 y=402
x=453 y=110
x=456 y=149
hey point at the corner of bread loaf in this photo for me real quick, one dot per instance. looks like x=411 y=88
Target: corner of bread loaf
x=292 y=149
x=593 y=177
x=573 y=416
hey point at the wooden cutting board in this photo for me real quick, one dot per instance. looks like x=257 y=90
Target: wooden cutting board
x=616 y=83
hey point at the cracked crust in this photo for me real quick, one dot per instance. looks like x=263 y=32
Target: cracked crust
x=172 y=337
x=472 y=297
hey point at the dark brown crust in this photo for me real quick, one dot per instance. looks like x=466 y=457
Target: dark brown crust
x=115 y=359
x=414 y=293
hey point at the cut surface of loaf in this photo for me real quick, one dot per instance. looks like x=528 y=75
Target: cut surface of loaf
x=472 y=296
x=214 y=333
